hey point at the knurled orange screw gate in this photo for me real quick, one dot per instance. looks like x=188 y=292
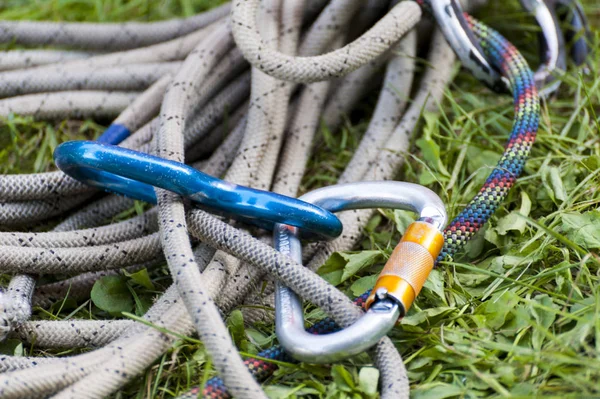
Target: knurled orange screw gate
x=409 y=266
x=397 y=286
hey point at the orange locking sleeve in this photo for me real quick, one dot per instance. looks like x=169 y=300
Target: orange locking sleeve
x=412 y=260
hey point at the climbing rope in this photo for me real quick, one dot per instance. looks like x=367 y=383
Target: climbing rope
x=167 y=84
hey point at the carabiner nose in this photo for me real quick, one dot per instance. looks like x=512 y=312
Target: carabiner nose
x=397 y=286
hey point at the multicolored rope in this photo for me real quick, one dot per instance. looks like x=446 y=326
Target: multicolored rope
x=503 y=55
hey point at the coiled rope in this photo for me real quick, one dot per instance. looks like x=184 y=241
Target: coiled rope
x=189 y=80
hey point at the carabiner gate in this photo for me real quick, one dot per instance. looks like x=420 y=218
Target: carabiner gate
x=397 y=286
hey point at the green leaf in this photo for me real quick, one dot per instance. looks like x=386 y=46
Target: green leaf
x=544 y=318
x=317 y=386
x=368 y=378
x=235 y=322
x=111 y=294
x=258 y=338
x=427 y=316
x=592 y=162
x=142 y=304
x=359 y=261
x=514 y=220
x=429 y=147
x=11 y=347
x=498 y=308
x=363 y=284
x=585 y=329
x=491 y=235
x=427 y=178
x=403 y=219
x=524 y=389
x=436 y=390
x=332 y=269
x=582 y=229
x=520 y=319
x=557 y=184
x=435 y=283
x=472 y=279
x=142 y=278
x=506 y=374
x=284 y=392
x=481 y=163
x=430 y=150
x=342 y=265
x=373 y=223
x=499 y=264
x=342 y=378
x=554 y=184
x=139 y=207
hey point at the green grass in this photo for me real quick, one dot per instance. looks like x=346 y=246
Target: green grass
x=516 y=314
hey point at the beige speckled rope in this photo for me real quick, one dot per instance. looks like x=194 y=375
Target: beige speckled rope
x=105 y=36
x=373 y=43
x=17 y=59
x=180 y=86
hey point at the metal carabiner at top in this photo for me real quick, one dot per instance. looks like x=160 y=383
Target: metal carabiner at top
x=552 y=38
x=135 y=174
x=398 y=284
x=578 y=33
x=450 y=18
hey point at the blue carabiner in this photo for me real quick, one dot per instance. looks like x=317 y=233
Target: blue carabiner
x=114 y=134
x=135 y=174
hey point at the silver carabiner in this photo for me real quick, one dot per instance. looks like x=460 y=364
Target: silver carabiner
x=552 y=45
x=449 y=17
x=397 y=286
x=578 y=33
x=552 y=38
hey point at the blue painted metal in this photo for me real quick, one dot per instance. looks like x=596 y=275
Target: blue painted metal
x=114 y=134
x=135 y=174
